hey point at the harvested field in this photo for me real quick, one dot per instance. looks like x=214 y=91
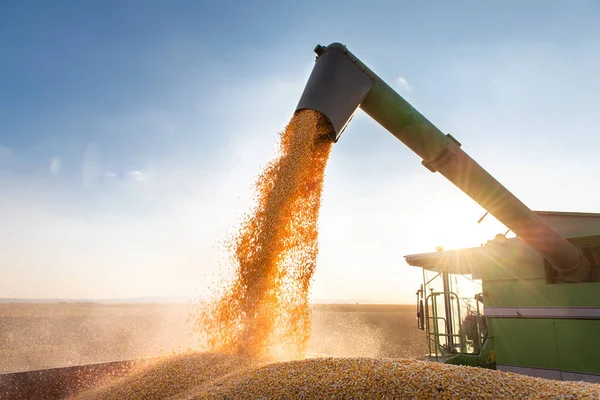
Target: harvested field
x=36 y=336
x=355 y=330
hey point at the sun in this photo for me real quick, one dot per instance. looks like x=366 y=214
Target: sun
x=457 y=226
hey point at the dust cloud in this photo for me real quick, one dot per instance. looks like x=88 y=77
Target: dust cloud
x=365 y=330
x=344 y=335
x=37 y=336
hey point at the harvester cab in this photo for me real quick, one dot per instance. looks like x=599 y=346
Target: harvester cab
x=450 y=312
x=527 y=304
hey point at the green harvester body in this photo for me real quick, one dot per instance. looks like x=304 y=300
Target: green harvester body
x=533 y=324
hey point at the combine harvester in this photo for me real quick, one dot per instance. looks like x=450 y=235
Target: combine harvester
x=539 y=308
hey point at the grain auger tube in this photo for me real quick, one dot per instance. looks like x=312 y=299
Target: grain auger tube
x=340 y=83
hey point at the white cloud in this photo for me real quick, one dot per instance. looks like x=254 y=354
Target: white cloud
x=136 y=175
x=55 y=165
x=402 y=83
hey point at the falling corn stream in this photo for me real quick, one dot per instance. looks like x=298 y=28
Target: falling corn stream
x=264 y=312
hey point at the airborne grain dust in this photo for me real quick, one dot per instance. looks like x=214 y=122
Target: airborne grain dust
x=264 y=311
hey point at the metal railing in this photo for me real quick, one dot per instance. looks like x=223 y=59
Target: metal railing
x=434 y=336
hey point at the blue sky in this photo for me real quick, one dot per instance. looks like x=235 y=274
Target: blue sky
x=131 y=133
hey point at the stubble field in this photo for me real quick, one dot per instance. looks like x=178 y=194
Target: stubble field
x=37 y=336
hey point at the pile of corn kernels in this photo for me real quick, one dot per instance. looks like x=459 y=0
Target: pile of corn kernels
x=214 y=376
